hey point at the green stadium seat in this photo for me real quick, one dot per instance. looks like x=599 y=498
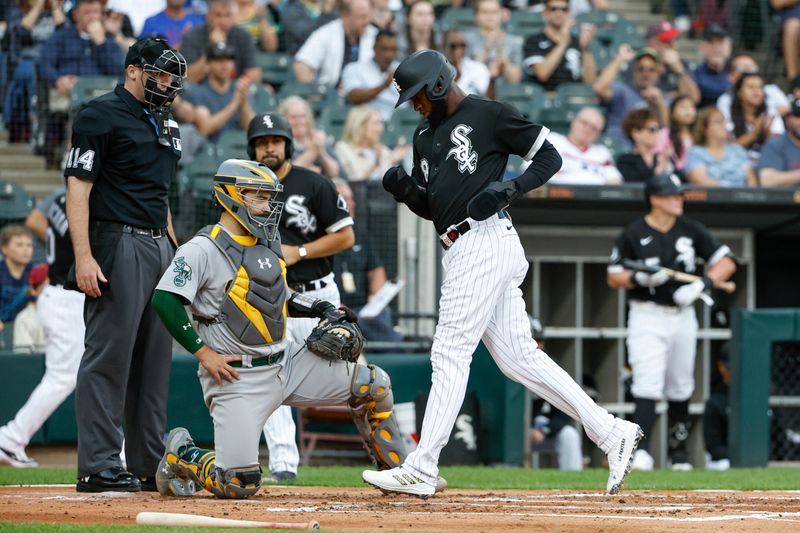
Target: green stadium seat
x=263 y=100
x=616 y=146
x=557 y=119
x=458 y=18
x=232 y=144
x=575 y=96
x=400 y=128
x=316 y=94
x=525 y=23
x=332 y=120
x=15 y=203
x=276 y=68
x=528 y=98
x=89 y=87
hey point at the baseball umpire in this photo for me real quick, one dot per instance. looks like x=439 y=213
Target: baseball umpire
x=233 y=277
x=460 y=153
x=125 y=152
x=315 y=225
x=662 y=325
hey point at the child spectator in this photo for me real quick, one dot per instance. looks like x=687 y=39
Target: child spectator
x=677 y=138
x=642 y=163
x=16 y=294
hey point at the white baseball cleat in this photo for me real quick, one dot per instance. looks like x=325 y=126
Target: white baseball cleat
x=17 y=459
x=441 y=484
x=620 y=456
x=400 y=481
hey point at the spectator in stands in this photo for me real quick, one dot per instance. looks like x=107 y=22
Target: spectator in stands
x=779 y=164
x=418 y=31
x=312 y=148
x=119 y=26
x=789 y=11
x=172 y=23
x=330 y=48
x=221 y=104
x=370 y=82
x=489 y=43
x=643 y=162
x=677 y=138
x=219 y=28
x=584 y=161
x=257 y=20
x=712 y=77
x=643 y=91
x=674 y=75
x=751 y=123
x=360 y=151
x=16 y=244
x=774 y=98
x=136 y=11
x=361 y=275
x=713 y=161
x=556 y=55
x=29 y=26
x=305 y=16
x=473 y=77
x=381 y=15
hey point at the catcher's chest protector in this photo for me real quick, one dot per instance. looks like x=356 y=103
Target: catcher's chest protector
x=254 y=309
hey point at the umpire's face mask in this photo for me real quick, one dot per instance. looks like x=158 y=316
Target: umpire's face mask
x=163 y=80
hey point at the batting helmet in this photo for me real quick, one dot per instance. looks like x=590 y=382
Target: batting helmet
x=233 y=178
x=269 y=124
x=426 y=69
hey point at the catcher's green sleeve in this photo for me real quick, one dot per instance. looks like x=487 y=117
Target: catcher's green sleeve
x=174 y=316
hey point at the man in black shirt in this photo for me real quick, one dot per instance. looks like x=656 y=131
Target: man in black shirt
x=460 y=153
x=126 y=148
x=662 y=325
x=315 y=224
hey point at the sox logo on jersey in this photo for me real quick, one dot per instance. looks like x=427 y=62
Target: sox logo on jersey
x=300 y=215
x=686 y=255
x=462 y=151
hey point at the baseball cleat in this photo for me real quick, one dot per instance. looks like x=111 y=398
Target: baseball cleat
x=441 y=484
x=399 y=481
x=17 y=459
x=282 y=476
x=172 y=479
x=620 y=457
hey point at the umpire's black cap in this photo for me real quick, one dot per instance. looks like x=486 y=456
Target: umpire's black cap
x=146 y=51
x=663 y=185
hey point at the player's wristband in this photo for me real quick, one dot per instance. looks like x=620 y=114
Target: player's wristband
x=173 y=314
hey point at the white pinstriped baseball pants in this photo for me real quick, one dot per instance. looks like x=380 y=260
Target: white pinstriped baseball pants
x=481 y=300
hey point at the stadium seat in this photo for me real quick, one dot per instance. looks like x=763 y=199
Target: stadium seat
x=88 y=87
x=525 y=23
x=332 y=120
x=232 y=144
x=263 y=101
x=276 y=68
x=400 y=128
x=557 y=118
x=528 y=98
x=458 y=18
x=575 y=96
x=15 y=203
x=316 y=94
x=616 y=146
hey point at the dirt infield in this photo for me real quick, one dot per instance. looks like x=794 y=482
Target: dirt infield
x=364 y=509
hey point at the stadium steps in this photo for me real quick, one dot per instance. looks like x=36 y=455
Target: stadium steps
x=23 y=167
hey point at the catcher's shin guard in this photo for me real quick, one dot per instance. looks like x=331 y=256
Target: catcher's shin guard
x=371 y=403
x=235 y=483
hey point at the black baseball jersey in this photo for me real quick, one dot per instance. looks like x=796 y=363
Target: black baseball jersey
x=681 y=248
x=311 y=209
x=536 y=49
x=467 y=151
x=116 y=145
x=58 y=244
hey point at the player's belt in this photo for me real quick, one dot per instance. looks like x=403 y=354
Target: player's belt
x=261 y=361
x=448 y=238
x=305 y=286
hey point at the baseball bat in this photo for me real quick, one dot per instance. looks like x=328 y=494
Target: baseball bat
x=727 y=286
x=191 y=520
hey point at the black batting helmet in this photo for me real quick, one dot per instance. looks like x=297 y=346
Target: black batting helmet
x=426 y=69
x=271 y=123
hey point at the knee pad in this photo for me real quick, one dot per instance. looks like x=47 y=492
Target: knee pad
x=371 y=402
x=236 y=483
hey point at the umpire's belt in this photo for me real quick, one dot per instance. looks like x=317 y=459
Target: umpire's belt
x=448 y=238
x=305 y=286
x=261 y=361
x=155 y=233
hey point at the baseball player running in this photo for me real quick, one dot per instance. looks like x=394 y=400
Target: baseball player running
x=662 y=325
x=61 y=315
x=233 y=277
x=314 y=226
x=460 y=153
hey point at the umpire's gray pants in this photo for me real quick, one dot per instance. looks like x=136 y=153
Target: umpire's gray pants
x=125 y=368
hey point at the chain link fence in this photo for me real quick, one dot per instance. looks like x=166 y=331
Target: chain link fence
x=785 y=402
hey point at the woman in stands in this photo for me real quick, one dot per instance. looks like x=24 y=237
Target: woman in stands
x=312 y=147
x=751 y=123
x=677 y=138
x=360 y=151
x=417 y=31
x=643 y=162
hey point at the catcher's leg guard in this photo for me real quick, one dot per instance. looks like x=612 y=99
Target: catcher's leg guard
x=173 y=478
x=235 y=483
x=371 y=404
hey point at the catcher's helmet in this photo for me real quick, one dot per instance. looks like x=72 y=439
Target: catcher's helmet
x=155 y=56
x=237 y=175
x=426 y=69
x=269 y=124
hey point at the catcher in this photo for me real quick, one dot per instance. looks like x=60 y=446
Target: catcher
x=233 y=277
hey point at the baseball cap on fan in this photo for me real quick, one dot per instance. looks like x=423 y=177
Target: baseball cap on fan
x=220 y=50
x=664 y=185
x=663 y=31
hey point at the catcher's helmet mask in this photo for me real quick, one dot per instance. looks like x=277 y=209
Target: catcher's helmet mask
x=426 y=70
x=271 y=123
x=164 y=67
x=239 y=186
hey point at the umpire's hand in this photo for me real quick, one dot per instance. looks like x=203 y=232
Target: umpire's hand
x=217 y=365
x=88 y=276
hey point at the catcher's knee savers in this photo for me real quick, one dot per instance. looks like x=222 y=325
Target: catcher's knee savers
x=371 y=403
x=236 y=483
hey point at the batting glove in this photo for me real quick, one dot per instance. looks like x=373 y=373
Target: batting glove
x=686 y=295
x=498 y=195
x=656 y=279
x=397 y=182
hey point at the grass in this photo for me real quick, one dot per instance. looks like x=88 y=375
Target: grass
x=484 y=478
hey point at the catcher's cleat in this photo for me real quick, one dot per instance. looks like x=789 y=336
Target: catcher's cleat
x=400 y=481
x=172 y=478
x=620 y=456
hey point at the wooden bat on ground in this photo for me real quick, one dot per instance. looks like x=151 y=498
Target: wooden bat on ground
x=193 y=520
x=727 y=286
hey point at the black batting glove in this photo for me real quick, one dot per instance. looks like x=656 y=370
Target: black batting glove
x=498 y=195
x=397 y=182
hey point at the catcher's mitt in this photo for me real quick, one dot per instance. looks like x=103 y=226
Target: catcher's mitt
x=336 y=339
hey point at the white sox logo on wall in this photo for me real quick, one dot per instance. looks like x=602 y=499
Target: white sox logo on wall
x=299 y=214
x=466 y=432
x=423 y=166
x=462 y=151
x=267 y=120
x=183 y=272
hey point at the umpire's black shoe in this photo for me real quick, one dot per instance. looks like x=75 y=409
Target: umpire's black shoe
x=148 y=484
x=114 y=479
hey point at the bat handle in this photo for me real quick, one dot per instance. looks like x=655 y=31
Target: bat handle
x=728 y=286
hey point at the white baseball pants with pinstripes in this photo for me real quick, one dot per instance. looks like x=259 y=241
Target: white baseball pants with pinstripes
x=481 y=300
x=280 y=429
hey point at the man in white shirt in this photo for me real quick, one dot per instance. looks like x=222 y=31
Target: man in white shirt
x=348 y=39
x=471 y=76
x=370 y=82
x=584 y=162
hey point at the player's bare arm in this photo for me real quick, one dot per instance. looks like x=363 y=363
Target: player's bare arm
x=88 y=274
x=325 y=246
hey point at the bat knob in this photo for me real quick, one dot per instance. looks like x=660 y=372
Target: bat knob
x=315 y=525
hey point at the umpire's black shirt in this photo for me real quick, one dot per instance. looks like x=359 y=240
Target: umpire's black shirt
x=467 y=151
x=115 y=146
